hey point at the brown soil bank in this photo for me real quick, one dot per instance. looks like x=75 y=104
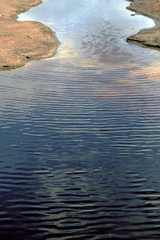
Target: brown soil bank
x=21 y=41
x=147 y=37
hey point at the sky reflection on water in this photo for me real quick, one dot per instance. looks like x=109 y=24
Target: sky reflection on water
x=94 y=29
x=80 y=131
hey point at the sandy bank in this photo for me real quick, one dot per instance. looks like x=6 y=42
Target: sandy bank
x=147 y=37
x=21 y=41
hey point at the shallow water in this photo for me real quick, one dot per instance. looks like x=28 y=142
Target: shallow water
x=80 y=132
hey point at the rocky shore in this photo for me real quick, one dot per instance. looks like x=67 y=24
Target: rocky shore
x=147 y=37
x=21 y=41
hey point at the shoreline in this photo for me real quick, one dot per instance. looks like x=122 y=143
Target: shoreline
x=21 y=41
x=148 y=37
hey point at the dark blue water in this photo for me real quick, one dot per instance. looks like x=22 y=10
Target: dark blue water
x=80 y=132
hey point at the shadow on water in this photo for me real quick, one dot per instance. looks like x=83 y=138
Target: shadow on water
x=80 y=131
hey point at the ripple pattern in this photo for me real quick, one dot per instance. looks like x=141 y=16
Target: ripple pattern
x=79 y=156
x=79 y=141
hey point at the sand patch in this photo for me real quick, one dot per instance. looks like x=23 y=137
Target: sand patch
x=25 y=40
x=147 y=37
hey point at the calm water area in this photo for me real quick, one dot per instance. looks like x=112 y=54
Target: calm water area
x=80 y=131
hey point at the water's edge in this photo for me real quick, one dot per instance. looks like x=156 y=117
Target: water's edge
x=146 y=37
x=21 y=37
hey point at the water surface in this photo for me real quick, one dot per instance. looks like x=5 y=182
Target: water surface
x=80 y=131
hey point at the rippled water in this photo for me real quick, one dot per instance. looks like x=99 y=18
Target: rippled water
x=80 y=132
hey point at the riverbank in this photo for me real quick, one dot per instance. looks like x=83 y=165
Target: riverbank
x=25 y=40
x=147 y=37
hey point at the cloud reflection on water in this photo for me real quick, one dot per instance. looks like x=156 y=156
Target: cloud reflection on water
x=80 y=111
x=90 y=29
